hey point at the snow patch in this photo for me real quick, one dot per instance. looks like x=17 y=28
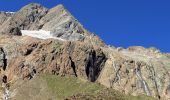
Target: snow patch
x=41 y=34
x=10 y=12
x=7 y=12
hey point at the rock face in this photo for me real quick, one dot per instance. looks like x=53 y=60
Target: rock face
x=57 y=20
x=6 y=26
x=54 y=57
x=62 y=24
x=25 y=18
x=3 y=62
x=76 y=52
x=4 y=16
x=137 y=70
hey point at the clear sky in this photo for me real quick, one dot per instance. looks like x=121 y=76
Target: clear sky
x=118 y=22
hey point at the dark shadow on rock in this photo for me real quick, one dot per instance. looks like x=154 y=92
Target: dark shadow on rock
x=73 y=66
x=4 y=79
x=94 y=65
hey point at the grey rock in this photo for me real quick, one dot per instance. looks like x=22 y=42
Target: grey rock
x=62 y=24
x=57 y=20
x=4 y=17
x=26 y=18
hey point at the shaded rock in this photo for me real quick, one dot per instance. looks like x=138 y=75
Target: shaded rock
x=26 y=18
x=3 y=60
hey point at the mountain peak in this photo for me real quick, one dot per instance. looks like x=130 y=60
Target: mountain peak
x=53 y=42
x=60 y=6
x=57 y=20
x=32 y=5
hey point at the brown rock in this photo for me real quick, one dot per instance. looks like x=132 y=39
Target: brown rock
x=4 y=16
x=53 y=57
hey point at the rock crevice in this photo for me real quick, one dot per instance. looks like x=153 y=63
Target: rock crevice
x=3 y=59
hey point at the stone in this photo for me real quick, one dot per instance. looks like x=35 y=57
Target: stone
x=53 y=57
x=3 y=61
x=75 y=52
x=26 y=18
x=57 y=20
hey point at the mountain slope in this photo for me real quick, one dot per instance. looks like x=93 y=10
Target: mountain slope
x=136 y=70
x=37 y=41
x=58 y=88
x=57 y=20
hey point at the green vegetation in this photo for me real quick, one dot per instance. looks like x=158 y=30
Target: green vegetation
x=52 y=87
x=64 y=87
x=67 y=86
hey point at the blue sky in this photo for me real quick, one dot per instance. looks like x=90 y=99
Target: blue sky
x=118 y=22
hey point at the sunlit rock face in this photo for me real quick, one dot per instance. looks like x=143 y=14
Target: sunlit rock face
x=33 y=56
x=57 y=20
x=36 y=40
x=137 y=70
x=4 y=16
x=62 y=24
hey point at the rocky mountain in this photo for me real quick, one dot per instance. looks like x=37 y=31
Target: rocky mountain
x=46 y=54
x=57 y=20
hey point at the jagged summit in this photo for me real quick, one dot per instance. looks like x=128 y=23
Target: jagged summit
x=36 y=42
x=57 y=20
x=32 y=5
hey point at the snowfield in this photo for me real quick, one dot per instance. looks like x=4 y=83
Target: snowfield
x=41 y=34
x=10 y=12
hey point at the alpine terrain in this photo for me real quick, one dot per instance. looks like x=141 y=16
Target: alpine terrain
x=46 y=54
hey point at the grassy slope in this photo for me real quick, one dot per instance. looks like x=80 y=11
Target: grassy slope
x=64 y=87
x=50 y=87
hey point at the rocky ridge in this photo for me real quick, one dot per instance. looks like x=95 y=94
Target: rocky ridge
x=57 y=20
x=133 y=71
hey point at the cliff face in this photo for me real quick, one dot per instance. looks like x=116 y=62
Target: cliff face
x=4 y=16
x=73 y=51
x=33 y=56
x=137 y=70
x=57 y=20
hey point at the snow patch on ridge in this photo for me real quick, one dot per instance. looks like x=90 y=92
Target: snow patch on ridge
x=10 y=12
x=7 y=12
x=41 y=34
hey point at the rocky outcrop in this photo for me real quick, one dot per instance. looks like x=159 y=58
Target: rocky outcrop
x=167 y=54
x=62 y=24
x=4 y=16
x=6 y=26
x=34 y=56
x=57 y=20
x=137 y=70
x=74 y=51
x=26 y=18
